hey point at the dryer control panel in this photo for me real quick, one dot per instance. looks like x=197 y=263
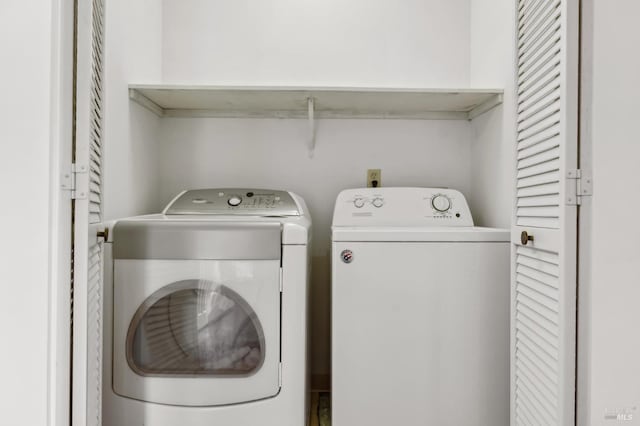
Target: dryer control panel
x=233 y=201
x=401 y=207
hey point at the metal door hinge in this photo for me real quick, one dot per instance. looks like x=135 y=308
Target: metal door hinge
x=281 y=281
x=280 y=375
x=70 y=182
x=579 y=185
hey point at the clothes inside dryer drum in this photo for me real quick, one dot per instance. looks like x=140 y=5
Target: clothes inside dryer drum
x=195 y=327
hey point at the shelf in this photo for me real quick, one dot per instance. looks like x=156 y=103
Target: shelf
x=312 y=103
x=329 y=102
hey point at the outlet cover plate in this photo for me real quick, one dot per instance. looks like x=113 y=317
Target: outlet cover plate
x=374 y=175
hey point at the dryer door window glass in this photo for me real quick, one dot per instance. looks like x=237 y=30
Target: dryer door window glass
x=195 y=327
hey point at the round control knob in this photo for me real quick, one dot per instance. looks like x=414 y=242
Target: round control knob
x=358 y=202
x=377 y=202
x=234 y=200
x=441 y=203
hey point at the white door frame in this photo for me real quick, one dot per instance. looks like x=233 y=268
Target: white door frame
x=61 y=109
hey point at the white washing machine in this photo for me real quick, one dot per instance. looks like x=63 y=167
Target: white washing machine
x=209 y=312
x=420 y=315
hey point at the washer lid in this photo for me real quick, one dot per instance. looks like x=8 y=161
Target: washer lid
x=233 y=201
x=420 y=234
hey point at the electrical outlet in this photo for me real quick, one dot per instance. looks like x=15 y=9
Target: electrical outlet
x=374 y=178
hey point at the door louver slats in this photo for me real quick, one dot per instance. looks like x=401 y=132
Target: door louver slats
x=539 y=80
x=538 y=156
x=94 y=335
x=530 y=15
x=95 y=145
x=541 y=200
x=537 y=147
x=94 y=284
x=88 y=260
x=532 y=69
x=537 y=335
x=543 y=294
x=538 y=48
x=542 y=33
x=538 y=164
x=536 y=129
x=539 y=110
x=536 y=102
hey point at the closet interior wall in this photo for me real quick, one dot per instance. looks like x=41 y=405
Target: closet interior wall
x=414 y=43
x=131 y=152
x=493 y=133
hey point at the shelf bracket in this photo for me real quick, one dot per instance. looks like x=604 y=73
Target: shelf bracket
x=142 y=100
x=487 y=105
x=312 y=126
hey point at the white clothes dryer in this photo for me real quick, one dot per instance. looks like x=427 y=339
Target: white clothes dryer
x=420 y=311
x=209 y=305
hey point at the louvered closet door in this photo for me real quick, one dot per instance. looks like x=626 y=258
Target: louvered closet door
x=87 y=268
x=544 y=269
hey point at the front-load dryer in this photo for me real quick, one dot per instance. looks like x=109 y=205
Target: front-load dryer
x=209 y=308
x=420 y=311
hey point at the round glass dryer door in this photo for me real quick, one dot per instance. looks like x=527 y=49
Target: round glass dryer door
x=195 y=327
x=196 y=332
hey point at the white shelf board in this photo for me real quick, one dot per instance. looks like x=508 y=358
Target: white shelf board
x=328 y=102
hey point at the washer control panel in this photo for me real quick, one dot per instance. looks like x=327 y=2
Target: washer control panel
x=233 y=201
x=401 y=207
x=360 y=201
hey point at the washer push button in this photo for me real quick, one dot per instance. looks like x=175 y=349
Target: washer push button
x=378 y=202
x=234 y=200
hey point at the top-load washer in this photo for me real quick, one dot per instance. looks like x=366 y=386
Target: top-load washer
x=420 y=311
x=209 y=305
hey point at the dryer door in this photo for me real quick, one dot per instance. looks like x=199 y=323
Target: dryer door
x=196 y=332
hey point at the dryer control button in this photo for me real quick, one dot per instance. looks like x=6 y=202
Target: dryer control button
x=377 y=202
x=441 y=203
x=234 y=201
x=358 y=202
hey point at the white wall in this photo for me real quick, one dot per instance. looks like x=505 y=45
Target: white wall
x=492 y=65
x=133 y=54
x=609 y=314
x=26 y=34
x=421 y=43
x=201 y=153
